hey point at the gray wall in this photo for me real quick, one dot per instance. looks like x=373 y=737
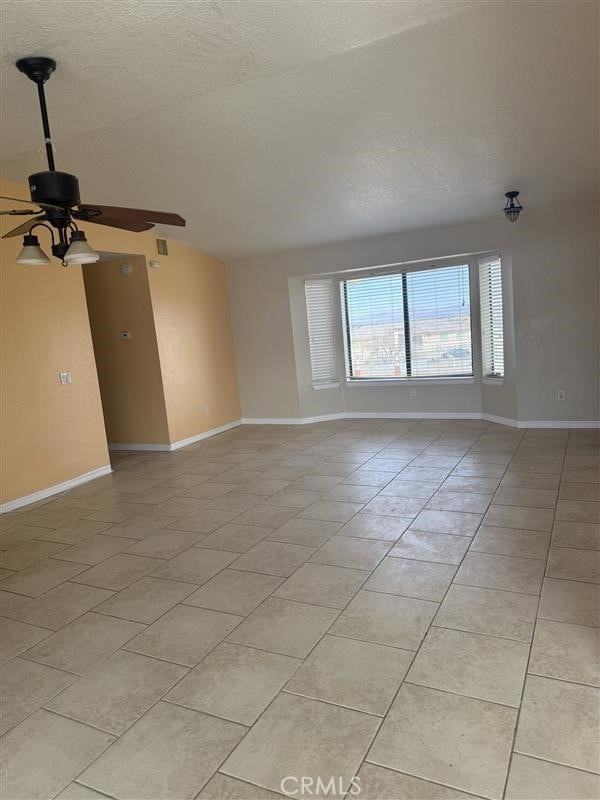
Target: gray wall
x=550 y=262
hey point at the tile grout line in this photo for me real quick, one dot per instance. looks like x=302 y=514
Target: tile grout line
x=303 y=660
x=188 y=672
x=432 y=624
x=522 y=696
x=371 y=456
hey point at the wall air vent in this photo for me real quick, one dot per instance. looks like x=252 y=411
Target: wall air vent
x=161 y=247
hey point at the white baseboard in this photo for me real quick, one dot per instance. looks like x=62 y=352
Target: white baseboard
x=206 y=435
x=35 y=497
x=167 y=448
x=558 y=423
x=411 y=415
x=139 y=446
x=293 y=420
x=542 y=423
x=42 y=494
x=362 y=415
x=512 y=423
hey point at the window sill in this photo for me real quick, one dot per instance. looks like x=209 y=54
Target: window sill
x=493 y=381
x=317 y=387
x=412 y=381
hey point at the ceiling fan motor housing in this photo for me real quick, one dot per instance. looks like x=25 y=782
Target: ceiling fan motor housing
x=56 y=188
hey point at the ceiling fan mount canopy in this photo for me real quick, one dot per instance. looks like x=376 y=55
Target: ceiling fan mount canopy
x=57 y=194
x=37 y=68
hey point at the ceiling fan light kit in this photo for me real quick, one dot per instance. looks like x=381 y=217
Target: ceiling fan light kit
x=57 y=195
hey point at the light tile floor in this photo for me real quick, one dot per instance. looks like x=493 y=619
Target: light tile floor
x=414 y=603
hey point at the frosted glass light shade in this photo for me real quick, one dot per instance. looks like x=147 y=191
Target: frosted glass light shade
x=79 y=251
x=32 y=254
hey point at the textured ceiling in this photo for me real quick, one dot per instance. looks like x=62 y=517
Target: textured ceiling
x=272 y=125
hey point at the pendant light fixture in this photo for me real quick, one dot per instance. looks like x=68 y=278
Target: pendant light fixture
x=32 y=254
x=79 y=251
x=513 y=208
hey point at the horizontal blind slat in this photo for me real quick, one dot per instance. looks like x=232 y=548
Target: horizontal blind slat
x=492 y=324
x=322 y=338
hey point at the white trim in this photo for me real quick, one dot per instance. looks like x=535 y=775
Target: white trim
x=397 y=382
x=294 y=420
x=167 y=448
x=513 y=423
x=542 y=423
x=412 y=415
x=363 y=415
x=318 y=386
x=136 y=446
x=206 y=435
x=559 y=423
x=493 y=381
x=42 y=494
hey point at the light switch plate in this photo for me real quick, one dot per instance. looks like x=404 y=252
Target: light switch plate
x=64 y=377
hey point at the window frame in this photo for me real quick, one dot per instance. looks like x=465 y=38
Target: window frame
x=402 y=269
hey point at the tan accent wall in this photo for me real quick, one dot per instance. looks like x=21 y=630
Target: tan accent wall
x=52 y=433
x=190 y=298
x=129 y=372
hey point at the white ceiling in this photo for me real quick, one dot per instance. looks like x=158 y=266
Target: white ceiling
x=272 y=125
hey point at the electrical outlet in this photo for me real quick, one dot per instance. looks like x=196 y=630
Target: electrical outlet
x=205 y=411
x=413 y=392
x=561 y=394
x=64 y=377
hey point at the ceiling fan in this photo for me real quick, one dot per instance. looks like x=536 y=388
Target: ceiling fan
x=57 y=195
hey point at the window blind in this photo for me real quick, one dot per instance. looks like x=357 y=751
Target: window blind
x=409 y=324
x=321 y=331
x=374 y=317
x=492 y=326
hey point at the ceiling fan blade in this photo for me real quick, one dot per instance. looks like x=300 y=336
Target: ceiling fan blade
x=16 y=199
x=116 y=212
x=20 y=212
x=24 y=228
x=136 y=225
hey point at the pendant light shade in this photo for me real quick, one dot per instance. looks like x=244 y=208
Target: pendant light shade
x=79 y=251
x=32 y=254
x=513 y=208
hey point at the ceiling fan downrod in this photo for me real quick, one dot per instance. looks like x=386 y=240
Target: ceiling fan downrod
x=39 y=69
